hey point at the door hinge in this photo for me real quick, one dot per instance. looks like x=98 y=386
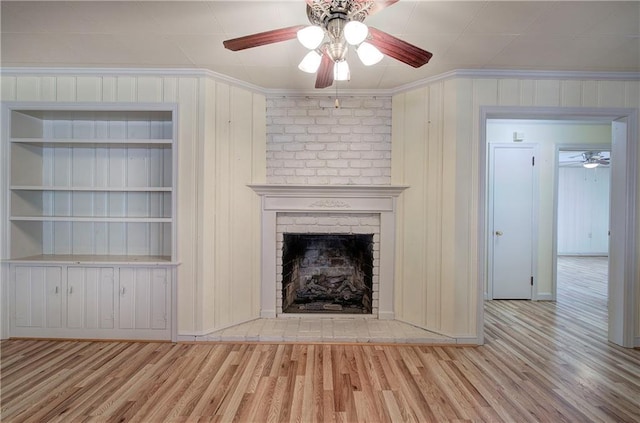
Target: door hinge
x=533 y=160
x=531 y=280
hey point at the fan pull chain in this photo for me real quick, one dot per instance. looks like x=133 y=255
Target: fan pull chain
x=337 y=103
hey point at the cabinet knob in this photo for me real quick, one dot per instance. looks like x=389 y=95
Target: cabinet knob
x=56 y=290
x=499 y=233
x=122 y=291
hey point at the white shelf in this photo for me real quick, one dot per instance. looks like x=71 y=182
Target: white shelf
x=104 y=143
x=91 y=180
x=89 y=259
x=90 y=219
x=89 y=189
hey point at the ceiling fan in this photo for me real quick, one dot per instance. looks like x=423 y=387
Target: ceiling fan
x=591 y=159
x=336 y=25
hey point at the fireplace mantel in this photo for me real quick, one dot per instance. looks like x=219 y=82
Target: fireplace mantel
x=334 y=199
x=329 y=190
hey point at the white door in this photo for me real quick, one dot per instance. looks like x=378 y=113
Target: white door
x=37 y=297
x=511 y=225
x=144 y=298
x=90 y=298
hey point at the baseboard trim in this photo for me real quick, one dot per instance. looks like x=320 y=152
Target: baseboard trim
x=544 y=296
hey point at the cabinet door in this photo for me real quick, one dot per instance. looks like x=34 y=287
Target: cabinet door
x=38 y=296
x=90 y=298
x=143 y=298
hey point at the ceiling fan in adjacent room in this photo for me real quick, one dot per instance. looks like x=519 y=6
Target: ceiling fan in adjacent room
x=590 y=159
x=335 y=26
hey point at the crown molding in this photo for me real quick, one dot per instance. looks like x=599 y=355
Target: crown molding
x=159 y=72
x=520 y=74
x=276 y=92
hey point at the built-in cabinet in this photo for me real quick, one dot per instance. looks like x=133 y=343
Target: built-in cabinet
x=92 y=221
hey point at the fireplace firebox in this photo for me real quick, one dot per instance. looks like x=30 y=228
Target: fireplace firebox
x=327 y=273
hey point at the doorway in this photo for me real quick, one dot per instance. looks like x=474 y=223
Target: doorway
x=582 y=205
x=623 y=124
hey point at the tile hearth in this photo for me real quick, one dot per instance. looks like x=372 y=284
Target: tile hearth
x=335 y=329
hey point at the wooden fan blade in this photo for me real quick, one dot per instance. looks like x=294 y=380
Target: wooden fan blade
x=262 y=38
x=324 y=77
x=381 y=4
x=398 y=49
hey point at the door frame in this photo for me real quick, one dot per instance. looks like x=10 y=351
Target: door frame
x=534 y=214
x=556 y=173
x=628 y=228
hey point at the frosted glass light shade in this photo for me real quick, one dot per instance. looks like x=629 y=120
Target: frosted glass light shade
x=311 y=62
x=590 y=165
x=369 y=54
x=355 y=32
x=341 y=71
x=311 y=36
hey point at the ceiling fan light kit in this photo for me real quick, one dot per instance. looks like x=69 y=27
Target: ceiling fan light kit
x=311 y=36
x=311 y=62
x=335 y=25
x=368 y=54
x=341 y=71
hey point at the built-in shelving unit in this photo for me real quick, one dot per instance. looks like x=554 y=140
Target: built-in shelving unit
x=96 y=189
x=94 y=182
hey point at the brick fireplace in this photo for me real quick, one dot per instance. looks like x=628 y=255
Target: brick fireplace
x=335 y=211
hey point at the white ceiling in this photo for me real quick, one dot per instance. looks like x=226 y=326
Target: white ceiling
x=594 y=36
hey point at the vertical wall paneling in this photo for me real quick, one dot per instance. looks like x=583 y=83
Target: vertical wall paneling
x=8 y=88
x=508 y=92
x=547 y=92
x=571 y=93
x=258 y=175
x=149 y=89
x=65 y=88
x=612 y=94
x=188 y=133
x=48 y=88
x=28 y=88
x=89 y=88
x=583 y=211
x=109 y=88
x=126 y=89
x=242 y=296
x=458 y=116
x=207 y=207
x=434 y=214
x=413 y=295
x=449 y=262
x=222 y=213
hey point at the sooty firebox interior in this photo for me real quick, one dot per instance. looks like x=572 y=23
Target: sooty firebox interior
x=327 y=273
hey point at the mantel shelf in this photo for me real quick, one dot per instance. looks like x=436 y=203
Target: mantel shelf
x=340 y=191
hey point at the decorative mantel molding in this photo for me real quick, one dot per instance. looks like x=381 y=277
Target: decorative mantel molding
x=379 y=199
x=338 y=191
x=334 y=198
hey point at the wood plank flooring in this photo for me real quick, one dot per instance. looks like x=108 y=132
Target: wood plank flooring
x=542 y=362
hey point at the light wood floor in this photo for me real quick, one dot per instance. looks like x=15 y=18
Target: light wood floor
x=542 y=362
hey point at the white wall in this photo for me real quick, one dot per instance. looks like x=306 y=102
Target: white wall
x=436 y=145
x=583 y=211
x=221 y=148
